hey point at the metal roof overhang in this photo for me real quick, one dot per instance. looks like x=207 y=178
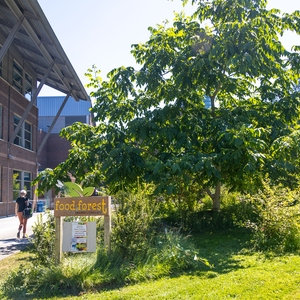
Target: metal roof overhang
x=24 y=22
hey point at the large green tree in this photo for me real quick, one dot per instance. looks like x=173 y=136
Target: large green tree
x=153 y=123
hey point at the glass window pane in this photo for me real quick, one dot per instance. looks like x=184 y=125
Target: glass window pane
x=18 y=68
x=27 y=176
x=28 y=135
x=27 y=145
x=17 y=76
x=1 y=133
x=27 y=185
x=27 y=126
x=18 y=139
x=21 y=181
x=28 y=78
x=28 y=86
x=17 y=176
x=16 y=120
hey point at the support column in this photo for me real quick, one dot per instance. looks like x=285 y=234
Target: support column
x=10 y=38
x=53 y=123
x=29 y=106
x=107 y=226
x=58 y=240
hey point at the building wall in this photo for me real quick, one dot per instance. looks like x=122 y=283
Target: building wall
x=43 y=157
x=22 y=66
x=57 y=150
x=14 y=157
x=46 y=122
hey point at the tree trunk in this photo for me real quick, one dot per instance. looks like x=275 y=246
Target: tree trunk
x=216 y=198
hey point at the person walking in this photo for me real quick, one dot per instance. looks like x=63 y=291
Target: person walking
x=21 y=203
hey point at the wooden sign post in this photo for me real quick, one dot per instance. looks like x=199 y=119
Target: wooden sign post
x=81 y=206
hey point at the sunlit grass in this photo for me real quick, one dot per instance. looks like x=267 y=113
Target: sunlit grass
x=237 y=273
x=253 y=277
x=13 y=262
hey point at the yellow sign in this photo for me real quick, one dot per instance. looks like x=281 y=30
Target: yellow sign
x=82 y=206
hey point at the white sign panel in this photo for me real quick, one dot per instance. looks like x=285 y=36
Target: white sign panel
x=79 y=237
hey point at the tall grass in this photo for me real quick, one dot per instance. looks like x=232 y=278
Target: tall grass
x=145 y=247
x=142 y=249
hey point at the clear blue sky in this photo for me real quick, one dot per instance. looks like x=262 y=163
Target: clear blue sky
x=101 y=32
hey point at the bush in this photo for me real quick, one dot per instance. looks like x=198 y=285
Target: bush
x=278 y=226
x=171 y=254
x=134 y=224
x=40 y=281
x=44 y=238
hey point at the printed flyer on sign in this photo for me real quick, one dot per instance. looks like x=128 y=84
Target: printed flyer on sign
x=79 y=237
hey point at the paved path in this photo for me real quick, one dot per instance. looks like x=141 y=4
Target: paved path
x=9 y=243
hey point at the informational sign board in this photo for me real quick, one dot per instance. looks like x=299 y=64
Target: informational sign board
x=79 y=237
x=82 y=206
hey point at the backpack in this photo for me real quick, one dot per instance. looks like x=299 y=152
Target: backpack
x=27 y=212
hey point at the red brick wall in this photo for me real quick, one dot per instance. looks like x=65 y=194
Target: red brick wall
x=20 y=158
x=57 y=150
x=43 y=157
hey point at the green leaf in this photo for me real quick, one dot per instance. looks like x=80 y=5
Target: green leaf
x=73 y=189
x=88 y=191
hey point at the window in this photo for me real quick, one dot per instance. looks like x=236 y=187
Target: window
x=21 y=181
x=0 y=185
x=18 y=139
x=0 y=63
x=28 y=86
x=22 y=81
x=24 y=136
x=1 y=132
x=27 y=135
x=18 y=77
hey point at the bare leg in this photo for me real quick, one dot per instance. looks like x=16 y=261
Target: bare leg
x=20 y=217
x=24 y=227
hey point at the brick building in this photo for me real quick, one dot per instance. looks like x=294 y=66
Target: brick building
x=51 y=154
x=30 y=57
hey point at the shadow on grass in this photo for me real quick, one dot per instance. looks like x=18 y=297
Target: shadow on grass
x=220 y=247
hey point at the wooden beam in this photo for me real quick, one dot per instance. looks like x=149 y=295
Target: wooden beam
x=58 y=240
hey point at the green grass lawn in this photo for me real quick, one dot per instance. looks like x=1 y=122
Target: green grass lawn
x=12 y=262
x=237 y=273
x=251 y=278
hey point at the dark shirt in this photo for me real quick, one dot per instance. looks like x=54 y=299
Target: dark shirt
x=22 y=203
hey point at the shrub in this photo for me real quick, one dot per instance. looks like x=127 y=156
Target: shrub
x=134 y=224
x=277 y=228
x=44 y=238
x=39 y=281
x=141 y=250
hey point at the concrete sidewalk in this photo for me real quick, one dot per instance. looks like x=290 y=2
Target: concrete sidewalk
x=12 y=246
x=9 y=243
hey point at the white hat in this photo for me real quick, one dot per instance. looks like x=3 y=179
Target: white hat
x=23 y=192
